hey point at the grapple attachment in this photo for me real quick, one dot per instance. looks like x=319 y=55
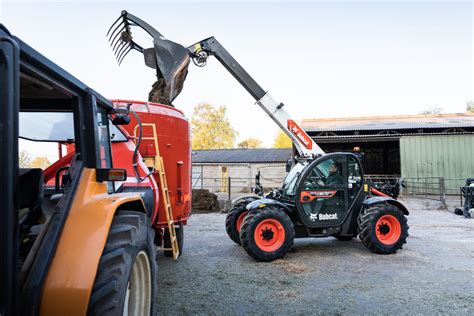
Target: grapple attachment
x=170 y=59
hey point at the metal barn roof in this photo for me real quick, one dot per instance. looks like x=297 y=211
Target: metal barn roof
x=251 y=155
x=395 y=122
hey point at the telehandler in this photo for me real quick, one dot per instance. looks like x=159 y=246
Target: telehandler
x=323 y=194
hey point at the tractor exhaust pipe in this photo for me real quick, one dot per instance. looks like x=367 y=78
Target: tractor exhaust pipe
x=169 y=59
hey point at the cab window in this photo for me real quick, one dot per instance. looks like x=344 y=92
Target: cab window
x=327 y=174
x=354 y=178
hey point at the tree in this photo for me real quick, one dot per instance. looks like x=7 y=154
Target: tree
x=282 y=140
x=250 y=143
x=40 y=162
x=211 y=129
x=432 y=110
x=470 y=106
x=24 y=159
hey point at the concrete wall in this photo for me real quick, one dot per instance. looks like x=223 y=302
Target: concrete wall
x=242 y=176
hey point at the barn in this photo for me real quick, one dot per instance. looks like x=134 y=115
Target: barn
x=423 y=148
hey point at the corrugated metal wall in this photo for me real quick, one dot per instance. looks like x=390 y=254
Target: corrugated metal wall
x=451 y=157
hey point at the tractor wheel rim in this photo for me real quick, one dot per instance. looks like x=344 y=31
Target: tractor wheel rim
x=138 y=295
x=269 y=235
x=388 y=229
x=240 y=220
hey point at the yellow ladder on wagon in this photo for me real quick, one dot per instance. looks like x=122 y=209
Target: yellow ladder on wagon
x=157 y=163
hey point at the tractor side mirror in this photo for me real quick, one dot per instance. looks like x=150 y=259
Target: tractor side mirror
x=121 y=119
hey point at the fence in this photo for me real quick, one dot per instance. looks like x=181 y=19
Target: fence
x=229 y=188
x=233 y=184
x=434 y=188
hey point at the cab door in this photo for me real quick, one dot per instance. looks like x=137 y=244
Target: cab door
x=9 y=105
x=322 y=195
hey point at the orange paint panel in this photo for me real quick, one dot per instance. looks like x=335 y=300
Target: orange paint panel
x=309 y=196
x=377 y=192
x=71 y=275
x=300 y=134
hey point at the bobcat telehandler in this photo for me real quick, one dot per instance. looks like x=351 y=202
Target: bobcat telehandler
x=323 y=194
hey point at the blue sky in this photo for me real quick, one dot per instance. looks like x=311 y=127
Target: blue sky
x=322 y=59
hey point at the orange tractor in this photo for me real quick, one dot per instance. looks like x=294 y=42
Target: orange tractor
x=81 y=236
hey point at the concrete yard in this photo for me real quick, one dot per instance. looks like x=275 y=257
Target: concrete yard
x=432 y=274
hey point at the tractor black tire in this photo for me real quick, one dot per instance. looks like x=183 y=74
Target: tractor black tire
x=179 y=236
x=130 y=242
x=389 y=236
x=258 y=219
x=231 y=221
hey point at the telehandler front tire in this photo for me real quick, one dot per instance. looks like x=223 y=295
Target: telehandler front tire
x=267 y=234
x=383 y=229
x=126 y=276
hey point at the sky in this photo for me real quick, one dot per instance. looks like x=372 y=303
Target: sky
x=322 y=59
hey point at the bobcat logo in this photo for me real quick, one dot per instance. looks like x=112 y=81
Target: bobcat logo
x=323 y=217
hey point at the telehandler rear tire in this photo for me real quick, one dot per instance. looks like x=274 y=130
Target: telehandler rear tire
x=126 y=275
x=234 y=220
x=267 y=234
x=383 y=229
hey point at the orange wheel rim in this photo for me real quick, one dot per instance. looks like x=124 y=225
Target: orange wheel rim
x=388 y=229
x=240 y=220
x=269 y=235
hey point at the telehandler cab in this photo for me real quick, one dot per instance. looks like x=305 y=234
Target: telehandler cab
x=323 y=194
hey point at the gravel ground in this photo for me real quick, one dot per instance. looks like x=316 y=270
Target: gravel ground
x=432 y=274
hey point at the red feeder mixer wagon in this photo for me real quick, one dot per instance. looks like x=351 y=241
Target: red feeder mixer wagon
x=158 y=132
x=152 y=142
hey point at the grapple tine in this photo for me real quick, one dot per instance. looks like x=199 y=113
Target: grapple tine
x=116 y=33
x=123 y=55
x=118 y=45
x=120 y=49
x=119 y=40
x=119 y=18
